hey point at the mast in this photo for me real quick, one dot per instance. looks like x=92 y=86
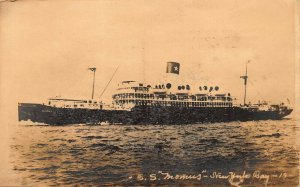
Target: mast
x=245 y=77
x=94 y=72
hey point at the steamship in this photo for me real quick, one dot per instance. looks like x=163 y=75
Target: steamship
x=164 y=103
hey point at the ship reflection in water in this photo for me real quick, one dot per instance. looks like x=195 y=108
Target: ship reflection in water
x=125 y=154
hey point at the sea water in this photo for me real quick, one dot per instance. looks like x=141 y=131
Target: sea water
x=254 y=153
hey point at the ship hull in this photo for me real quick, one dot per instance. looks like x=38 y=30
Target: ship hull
x=142 y=115
x=61 y=116
x=175 y=115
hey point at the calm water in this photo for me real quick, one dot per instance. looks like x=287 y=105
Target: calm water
x=128 y=155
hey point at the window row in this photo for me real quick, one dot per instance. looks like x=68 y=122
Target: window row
x=177 y=104
x=171 y=97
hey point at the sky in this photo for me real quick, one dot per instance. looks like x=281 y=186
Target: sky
x=47 y=46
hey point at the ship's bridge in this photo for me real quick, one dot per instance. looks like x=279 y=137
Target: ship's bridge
x=132 y=87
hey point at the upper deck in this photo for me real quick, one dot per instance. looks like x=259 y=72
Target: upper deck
x=131 y=92
x=74 y=103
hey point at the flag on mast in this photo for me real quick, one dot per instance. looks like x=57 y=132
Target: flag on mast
x=173 y=67
x=92 y=69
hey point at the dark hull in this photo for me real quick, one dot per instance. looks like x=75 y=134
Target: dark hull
x=60 y=116
x=142 y=115
x=173 y=115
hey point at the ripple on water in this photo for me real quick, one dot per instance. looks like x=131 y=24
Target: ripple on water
x=108 y=155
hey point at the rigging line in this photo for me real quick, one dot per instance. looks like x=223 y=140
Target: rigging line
x=109 y=81
x=257 y=91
